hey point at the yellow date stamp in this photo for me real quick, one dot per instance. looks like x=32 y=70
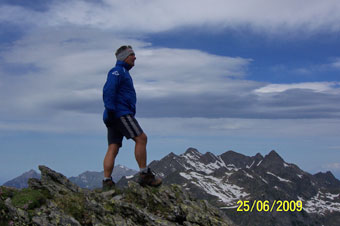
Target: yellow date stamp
x=269 y=206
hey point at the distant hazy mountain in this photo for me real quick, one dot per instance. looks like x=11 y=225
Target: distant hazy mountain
x=87 y=179
x=93 y=180
x=21 y=181
x=228 y=178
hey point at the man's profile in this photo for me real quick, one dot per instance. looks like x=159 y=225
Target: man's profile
x=119 y=98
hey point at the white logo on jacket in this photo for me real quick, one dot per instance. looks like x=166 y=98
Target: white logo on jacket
x=116 y=73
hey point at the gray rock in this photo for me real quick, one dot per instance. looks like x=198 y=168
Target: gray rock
x=54 y=200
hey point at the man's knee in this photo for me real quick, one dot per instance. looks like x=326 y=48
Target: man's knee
x=141 y=138
x=114 y=149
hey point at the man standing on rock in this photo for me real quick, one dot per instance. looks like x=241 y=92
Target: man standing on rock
x=119 y=98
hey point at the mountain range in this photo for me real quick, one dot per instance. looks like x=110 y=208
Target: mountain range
x=88 y=179
x=230 y=179
x=93 y=180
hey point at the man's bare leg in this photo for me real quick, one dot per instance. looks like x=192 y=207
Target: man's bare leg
x=109 y=160
x=140 y=150
x=146 y=177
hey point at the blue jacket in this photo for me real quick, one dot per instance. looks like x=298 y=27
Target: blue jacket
x=119 y=94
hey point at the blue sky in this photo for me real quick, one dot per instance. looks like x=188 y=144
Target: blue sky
x=248 y=76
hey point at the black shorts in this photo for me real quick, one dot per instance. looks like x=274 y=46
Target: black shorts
x=125 y=126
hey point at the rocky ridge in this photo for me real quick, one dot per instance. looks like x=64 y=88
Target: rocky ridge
x=55 y=200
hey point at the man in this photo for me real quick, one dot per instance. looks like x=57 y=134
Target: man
x=119 y=98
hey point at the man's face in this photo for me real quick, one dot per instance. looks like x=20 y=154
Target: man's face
x=130 y=60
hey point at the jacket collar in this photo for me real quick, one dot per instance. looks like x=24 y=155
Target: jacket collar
x=123 y=64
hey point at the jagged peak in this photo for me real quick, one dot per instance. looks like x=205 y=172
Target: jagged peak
x=273 y=155
x=172 y=155
x=192 y=151
x=231 y=151
x=232 y=155
x=327 y=174
x=327 y=179
x=168 y=157
x=258 y=156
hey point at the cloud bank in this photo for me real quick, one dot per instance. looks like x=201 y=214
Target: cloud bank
x=59 y=65
x=160 y=15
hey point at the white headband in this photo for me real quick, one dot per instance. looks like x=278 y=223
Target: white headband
x=124 y=54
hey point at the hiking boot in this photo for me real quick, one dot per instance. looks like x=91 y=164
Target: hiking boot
x=108 y=185
x=149 y=179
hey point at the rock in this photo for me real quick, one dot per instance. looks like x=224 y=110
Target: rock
x=108 y=194
x=54 y=200
x=55 y=182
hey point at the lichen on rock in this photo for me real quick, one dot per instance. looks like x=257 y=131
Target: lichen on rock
x=54 y=200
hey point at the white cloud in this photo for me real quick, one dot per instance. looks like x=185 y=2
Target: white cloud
x=160 y=72
x=335 y=166
x=327 y=87
x=161 y=15
x=61 y=123
x=239 y=127
x=336 y=63
x=164 y=15
x=70 y=68
x=69 y=61
x=20 y=15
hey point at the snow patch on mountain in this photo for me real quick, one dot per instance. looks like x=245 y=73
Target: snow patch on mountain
x=226 y=192
x=286 y=165
x=264 y=180
x=192 y=163
x=248 y=175
x=232 y=167
x=280 y=178
x=321 y=204
x=250 y=165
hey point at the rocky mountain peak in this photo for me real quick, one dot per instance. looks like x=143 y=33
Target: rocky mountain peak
x=274 y=156
x=273 y=161
x=21 y=181
x=327 y=180
x=236 y=159
x=192 y=152
x=258 y=156
x=54 y=200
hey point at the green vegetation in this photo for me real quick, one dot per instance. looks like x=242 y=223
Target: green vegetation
x=7 y=192
x=29 y=199
x=74 y=205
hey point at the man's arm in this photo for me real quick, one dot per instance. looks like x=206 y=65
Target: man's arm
x=110 y=91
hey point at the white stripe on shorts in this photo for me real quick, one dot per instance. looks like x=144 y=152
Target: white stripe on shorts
x=135 y=127
x=123 y=119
